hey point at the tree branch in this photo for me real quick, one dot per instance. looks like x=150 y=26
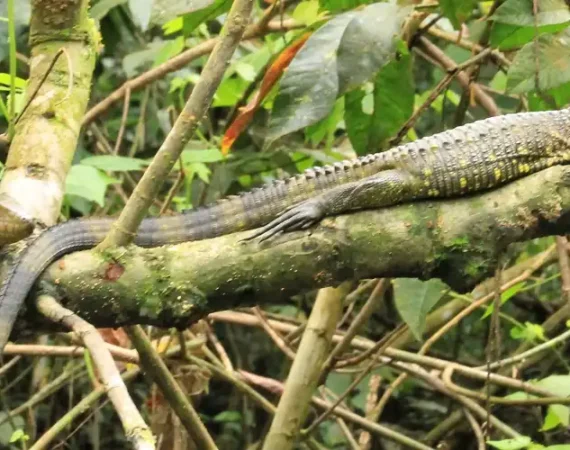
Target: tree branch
x=455 y=240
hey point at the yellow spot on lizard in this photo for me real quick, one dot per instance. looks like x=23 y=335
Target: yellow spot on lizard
x=463 y=182
x=524 y=168
x=497 y=173
x=428 y=172
x=462 y=163
x=523 y=150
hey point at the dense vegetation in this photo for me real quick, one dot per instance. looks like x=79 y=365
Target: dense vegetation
x=312 y=82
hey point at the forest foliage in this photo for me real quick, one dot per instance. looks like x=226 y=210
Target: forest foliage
x=327 y=80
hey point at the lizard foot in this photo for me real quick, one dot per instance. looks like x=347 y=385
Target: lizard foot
x=296 y=217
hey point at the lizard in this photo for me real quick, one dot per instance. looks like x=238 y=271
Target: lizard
x=468 y=159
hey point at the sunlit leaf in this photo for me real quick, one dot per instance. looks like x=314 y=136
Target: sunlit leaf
x=559 y=385
x=88 y=182
x=511 y=444
x=556 y=415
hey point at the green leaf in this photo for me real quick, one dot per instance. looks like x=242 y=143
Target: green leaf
x=342 y=5
x=371 y=118
x=141 y=11
x=339 y=56
x=201 y=170
x=415 y=299
x=511 y=444
x=307 y=12
x=553 y=65
x=217 y=8
x=457 y=11
x=327 y=126
x=227 y=416
x=558 y=385
x=19 y=436
x=88 y=182
x=530 y=333
x=368 y=43
x=558 y=447
x=209 y=155
x=508 y=37
x=505 y=296
x=556 y=415
x=20 y=83
x=170 y=49
x=515 y=22
x=520 y=12
x=114 y=163
x=229 y=92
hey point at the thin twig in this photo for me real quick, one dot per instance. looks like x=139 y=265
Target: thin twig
x=40 y=84
x=124 y=116
x=135 y=427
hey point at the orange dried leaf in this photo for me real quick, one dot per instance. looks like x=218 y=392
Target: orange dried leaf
x=273 y=73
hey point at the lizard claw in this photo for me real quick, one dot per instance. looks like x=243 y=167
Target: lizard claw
x=297 y=217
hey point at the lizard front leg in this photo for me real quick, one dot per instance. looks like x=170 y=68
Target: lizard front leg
x=386 y=188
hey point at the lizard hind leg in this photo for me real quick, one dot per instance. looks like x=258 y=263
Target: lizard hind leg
x=297 y=217
x=385 y=188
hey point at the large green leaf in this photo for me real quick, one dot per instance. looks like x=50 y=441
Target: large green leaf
x=520 y=12
x=368 y=43
x=373 y=117
x=345 y=52
x=515 y=22
x=551 y=59
x=415 y=299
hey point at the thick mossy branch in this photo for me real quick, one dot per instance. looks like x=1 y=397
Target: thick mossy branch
x=455 y=240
